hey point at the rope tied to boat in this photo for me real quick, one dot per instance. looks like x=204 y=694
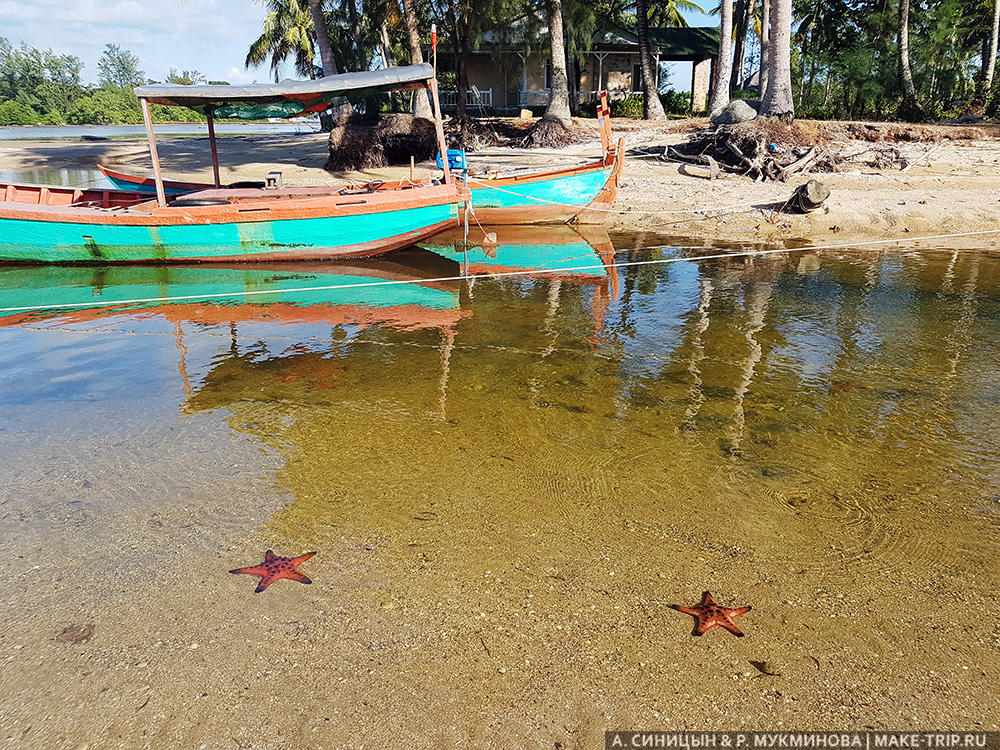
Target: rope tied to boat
x=480 y=183
x=500 y=274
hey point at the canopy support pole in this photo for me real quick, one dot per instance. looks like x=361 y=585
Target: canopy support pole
x=211 y=142
x=161 y=198
x=439 y=127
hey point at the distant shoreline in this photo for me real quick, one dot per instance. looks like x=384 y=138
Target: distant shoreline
x=132 y=130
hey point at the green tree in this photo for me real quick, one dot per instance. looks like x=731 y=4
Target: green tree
x=15 y=113
x=288 y=32
x=558 y=108
x=185 y=77
x=421 y=104
x=106 y=106
x=910 y=103
x=723 y=63
x=119 y=67
x=652 y=108
x=778 y=101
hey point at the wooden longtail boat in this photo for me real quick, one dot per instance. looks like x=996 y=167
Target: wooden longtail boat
x=581 y=194
x=44 y=224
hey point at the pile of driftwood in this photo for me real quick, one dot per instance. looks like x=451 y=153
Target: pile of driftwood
x=765 y=150
x=752 y=151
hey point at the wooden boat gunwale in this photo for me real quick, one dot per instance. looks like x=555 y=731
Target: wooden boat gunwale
x=190 y=216
x=592 y=212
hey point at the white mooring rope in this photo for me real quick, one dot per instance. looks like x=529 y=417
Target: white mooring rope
x=498 y=274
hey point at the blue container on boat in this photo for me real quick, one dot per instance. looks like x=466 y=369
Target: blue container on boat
x=456 y=159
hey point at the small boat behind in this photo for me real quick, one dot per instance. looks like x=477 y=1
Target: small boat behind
x=147 y=185
x=582 y=194
x=45 y=224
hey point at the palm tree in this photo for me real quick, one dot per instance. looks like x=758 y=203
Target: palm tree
x=744 y=12
x=765 y=46
x=558 y=109
x=910 y=104
x=421 y=106
x=720 y=93
x=322 y=38
x=991 y=62
x=778 y=97
x=287 y=32
x=652 y=108
x=670 y=13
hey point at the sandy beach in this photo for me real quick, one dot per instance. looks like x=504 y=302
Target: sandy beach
x=951 y=181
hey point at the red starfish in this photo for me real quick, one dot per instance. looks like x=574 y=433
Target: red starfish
x=275 y=568
x=708 y=614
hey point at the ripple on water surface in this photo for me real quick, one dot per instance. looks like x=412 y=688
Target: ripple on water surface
x=816 y=426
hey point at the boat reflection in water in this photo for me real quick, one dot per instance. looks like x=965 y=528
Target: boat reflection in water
x=581 y=255
x=346 y=319
x=335 y=300
x=391 y=360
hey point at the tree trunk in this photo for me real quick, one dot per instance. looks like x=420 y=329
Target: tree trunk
x=558 y=108
x=385 y=45
x=421 y=103
x=652 y=108
x=322 y=38
x=992 y=62
x=910 y=105
x=723 y=64
x=744 y=10
x=462 y=27
x=765 y=48
x=778 y=99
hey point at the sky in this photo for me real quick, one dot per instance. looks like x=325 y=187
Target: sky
x=210 y=36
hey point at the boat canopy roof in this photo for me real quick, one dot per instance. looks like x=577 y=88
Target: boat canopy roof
x=288 y=98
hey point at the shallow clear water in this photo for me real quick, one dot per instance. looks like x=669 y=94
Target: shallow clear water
x=794 y=429
x=66 y=176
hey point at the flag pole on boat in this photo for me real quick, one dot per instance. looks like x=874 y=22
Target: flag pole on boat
x=210 y=112
x=161 y=198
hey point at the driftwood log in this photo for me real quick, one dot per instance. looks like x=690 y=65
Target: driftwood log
x=811 y=195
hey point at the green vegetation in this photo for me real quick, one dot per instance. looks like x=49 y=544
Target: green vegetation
x=39 y=87
x=844 y=58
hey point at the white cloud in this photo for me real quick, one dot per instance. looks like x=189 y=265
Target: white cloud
x=211 y=36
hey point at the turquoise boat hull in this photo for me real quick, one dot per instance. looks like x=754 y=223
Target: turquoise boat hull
x=42 y=224
x=35 y=241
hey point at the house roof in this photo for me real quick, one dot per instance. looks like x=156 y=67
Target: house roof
x=288 y=98
x=685 y=43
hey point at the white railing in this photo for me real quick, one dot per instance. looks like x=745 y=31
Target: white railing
x=473 y=98
x=587 y=96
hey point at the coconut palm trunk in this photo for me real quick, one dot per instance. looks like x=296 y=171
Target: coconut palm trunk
x=910 y=105
x=652 y=108
x=778 y=100
x=558 y=109
x=723 y=63
x=741 y=22
x=991 y=62
x=322 y=38
x=765 y=47
x=421 y=104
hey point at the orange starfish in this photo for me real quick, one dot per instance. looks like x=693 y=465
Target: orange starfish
x=275 y=568
x=708 y=614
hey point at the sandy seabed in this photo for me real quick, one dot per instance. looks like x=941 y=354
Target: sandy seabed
x=464 y=619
